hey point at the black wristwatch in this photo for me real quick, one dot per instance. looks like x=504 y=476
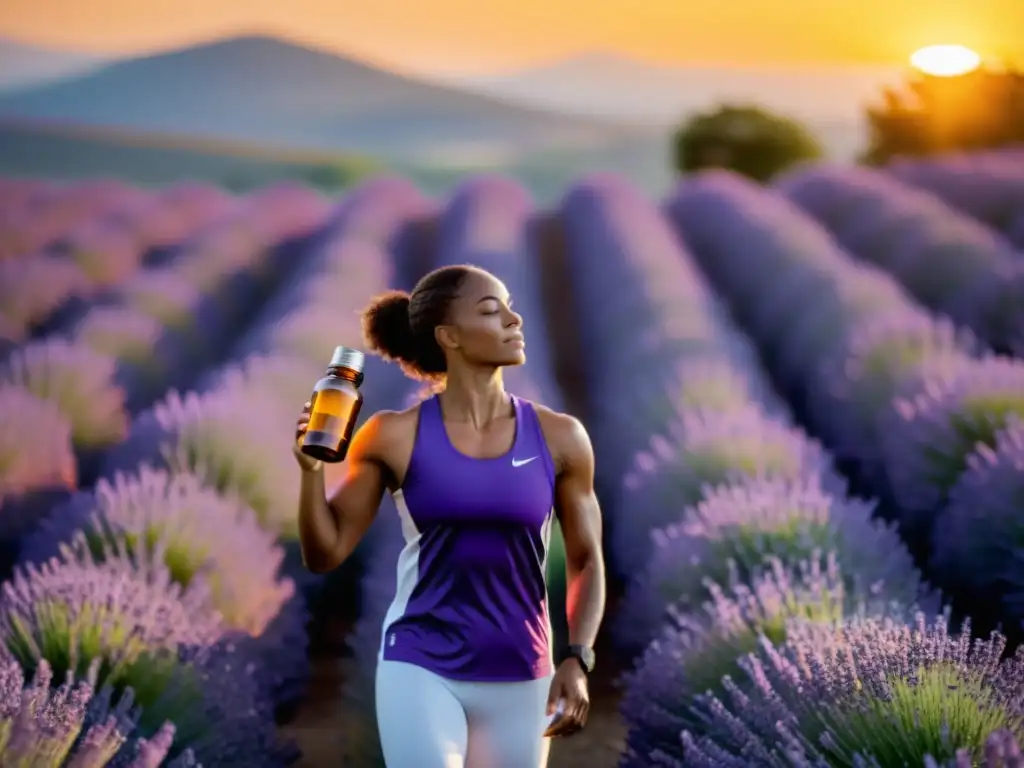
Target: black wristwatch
x=583 y=654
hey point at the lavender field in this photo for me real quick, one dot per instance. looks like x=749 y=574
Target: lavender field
x=806 y=401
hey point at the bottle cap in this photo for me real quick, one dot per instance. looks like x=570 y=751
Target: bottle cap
x=346 y=357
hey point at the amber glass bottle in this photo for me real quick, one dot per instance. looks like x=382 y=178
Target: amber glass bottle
x=334 y=407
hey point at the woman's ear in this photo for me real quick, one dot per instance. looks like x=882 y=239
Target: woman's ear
x=447 y=337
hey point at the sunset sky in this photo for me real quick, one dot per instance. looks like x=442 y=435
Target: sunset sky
x=493 y=35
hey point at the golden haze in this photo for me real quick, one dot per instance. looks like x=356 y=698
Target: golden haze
x=454 y=34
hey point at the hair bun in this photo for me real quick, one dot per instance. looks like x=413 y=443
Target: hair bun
x=386 y=327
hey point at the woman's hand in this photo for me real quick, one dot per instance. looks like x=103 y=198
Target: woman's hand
x=568 y=687
x=307 y=463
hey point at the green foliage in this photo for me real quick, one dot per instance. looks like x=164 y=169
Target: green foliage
x=930 y=115
x=746 y=139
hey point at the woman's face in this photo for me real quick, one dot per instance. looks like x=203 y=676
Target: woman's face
x=482 y=327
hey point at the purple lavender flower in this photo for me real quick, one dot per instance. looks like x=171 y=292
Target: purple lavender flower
x=79 y=382
x=69 y=725
x=697 y=650
x=742 y=525
x=978 y=537
x=706 y=449
x=873 y=691
x=203 y=537
x=49 y=726
x=1002 y=750
x=927 y=434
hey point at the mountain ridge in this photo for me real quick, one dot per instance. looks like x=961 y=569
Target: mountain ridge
x=266 y=89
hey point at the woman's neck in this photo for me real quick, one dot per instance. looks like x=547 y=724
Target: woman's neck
x=475 y=396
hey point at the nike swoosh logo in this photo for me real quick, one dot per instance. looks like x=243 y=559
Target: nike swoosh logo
x=521 y=462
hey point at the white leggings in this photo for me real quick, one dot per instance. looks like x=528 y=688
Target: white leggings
x=427 y=721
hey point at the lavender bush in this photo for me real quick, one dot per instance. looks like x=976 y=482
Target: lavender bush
x=36 y=443
x=79 y=381
x=700 y=648
x=876 y=361
x=739 y=527
x=872 y=691
x=930 y=430
x=978 y=538
x=34 y=287
x=107 y=255
x=216 y=437
x=37 y=463
x=706 y=449
x=203 y=537
x=148 y=635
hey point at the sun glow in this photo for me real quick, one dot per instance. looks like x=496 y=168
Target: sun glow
x=945 y=60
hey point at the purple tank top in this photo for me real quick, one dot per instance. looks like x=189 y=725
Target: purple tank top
x=471 y=601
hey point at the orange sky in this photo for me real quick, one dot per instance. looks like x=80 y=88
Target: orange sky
x=487 y=35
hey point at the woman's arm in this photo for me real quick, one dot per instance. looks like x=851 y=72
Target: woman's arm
x=330 y=530
x=580 y=516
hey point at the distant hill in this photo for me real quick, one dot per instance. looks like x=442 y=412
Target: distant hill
x=270 y=91
x=67 y=152
x=611 y=86
x=24 y=66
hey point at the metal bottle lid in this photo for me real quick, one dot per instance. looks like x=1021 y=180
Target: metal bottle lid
x=346 y=357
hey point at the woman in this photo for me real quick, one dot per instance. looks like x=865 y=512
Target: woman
x=464 y=676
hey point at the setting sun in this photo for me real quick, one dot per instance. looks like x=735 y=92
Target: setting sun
x=945 y=60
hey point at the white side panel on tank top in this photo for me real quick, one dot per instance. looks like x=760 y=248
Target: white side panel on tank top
x=408 y=569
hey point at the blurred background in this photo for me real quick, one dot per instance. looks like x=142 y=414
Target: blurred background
x=800 y=224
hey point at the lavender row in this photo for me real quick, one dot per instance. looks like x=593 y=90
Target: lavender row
x=154 y=527
x=725 y=487
x=653 y=339
x=915 y=405
x=182 y=517
x=105 y=245
x=803 y=590
x=989 y=186
x=67 y=400
x=947 y=261
x=649 y=345
x=723 y=477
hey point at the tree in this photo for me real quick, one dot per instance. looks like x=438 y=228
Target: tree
x=745 y=139
x=930 y=115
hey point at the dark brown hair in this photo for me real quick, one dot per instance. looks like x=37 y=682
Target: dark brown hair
x=399 y=326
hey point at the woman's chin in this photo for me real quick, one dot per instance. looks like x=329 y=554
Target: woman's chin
x=518 y=357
